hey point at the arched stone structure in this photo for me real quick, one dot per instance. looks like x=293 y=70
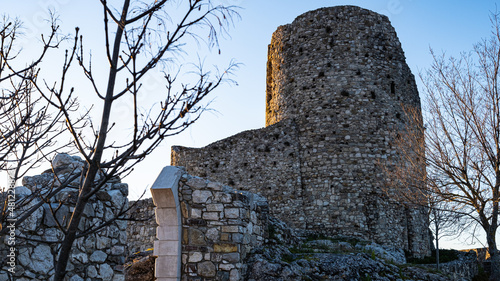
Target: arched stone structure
x=168 y=217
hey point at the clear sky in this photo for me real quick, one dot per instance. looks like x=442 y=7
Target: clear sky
x=444 y=25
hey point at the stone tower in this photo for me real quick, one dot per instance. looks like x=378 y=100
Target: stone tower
x=337 y=81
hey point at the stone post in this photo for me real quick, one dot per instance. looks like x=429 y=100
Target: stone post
x=168 y=217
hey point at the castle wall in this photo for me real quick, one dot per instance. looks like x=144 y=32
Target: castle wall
x=30 y=252
x=264 y=161
x=337 y=82
x=142 y=232
x=215 y=226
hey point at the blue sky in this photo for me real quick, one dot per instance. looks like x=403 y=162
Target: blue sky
x=444 y=25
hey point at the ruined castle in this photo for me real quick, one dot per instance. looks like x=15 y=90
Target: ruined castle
x=337 y=82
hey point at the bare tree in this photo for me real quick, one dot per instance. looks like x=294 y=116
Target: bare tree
x=461 y=150
x=444 y=222
x=147 y=35
x=26 y=126
x=408 y=185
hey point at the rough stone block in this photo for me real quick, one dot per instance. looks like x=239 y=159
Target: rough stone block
x=226 y=266
x=61 y=214
x=212 y=234
x=118 y=250
x=231 y=257
x=224 y=237
x=196 y=237
x=225 y=248
x=197 y=183
x=105 y=272
x=103 y=242
x=117 y=198
x=230 y=228
x=211 y=216
x=215 y=186
x=196 y=213
x=232 y=213
x=215 y=207
x=234 y=275
x=195 y=257
x=206 y=269
x=201 y=196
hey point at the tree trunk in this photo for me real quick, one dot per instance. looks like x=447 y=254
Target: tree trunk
x=495 y=264
x=437 y=246
x=494 y=256
x=94 y=166
x=67 y=243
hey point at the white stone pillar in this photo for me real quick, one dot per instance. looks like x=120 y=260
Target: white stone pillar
x=168 y=216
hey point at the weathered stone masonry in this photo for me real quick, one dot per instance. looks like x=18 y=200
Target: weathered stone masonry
x=96 y=256
x=205 y=229
x=141 y=233
x=337 y=82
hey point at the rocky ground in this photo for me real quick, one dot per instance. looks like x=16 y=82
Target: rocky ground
x=288 y=255
x=322 y=259
x=334 y=260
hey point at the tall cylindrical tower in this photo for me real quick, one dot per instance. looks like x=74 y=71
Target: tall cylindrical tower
x=337 y=83
x=340 y=74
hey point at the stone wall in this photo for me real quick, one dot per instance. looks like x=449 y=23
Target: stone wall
x=219 y=227
x=141 y=231
x=96 y=256
x=337 y=82
x=464 y=268
x=255 y=161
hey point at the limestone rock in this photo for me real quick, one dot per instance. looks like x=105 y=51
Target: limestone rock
x=22 y=191
x=42 y=259
x=33 y=221
x=61 y=214
x=206 y=269
x=67 y=161
x=81 y=258
x=391 y=254
x=38 y=181
x=105 y=272
x=276 y=262
x=201 y=196
x=91 y=271
x=98 y=256
x=117 y=198
x=76 y=278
